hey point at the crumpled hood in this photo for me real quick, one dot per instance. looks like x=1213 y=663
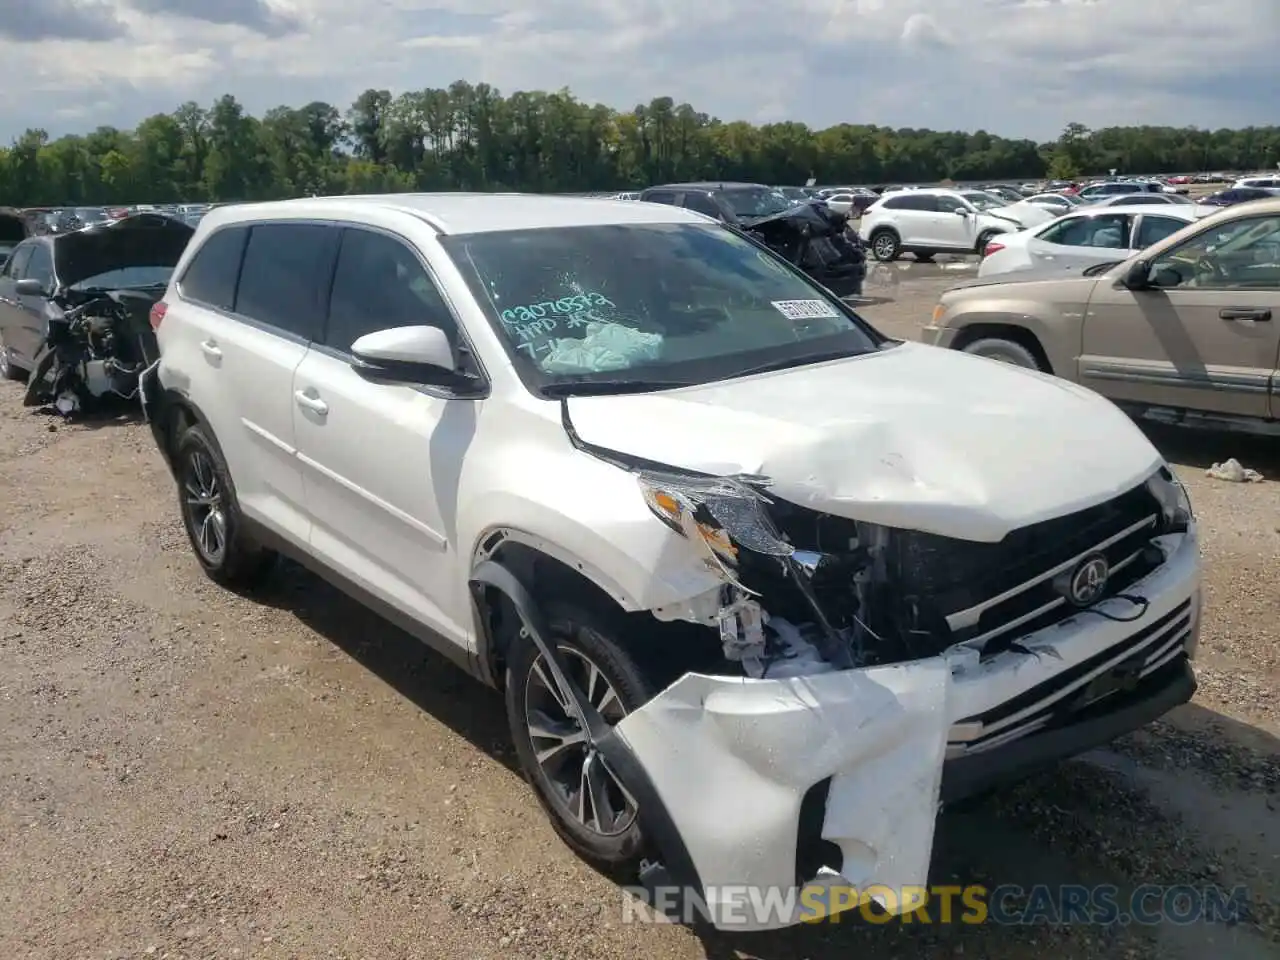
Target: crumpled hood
x=142 y=240
x=915 y=437
x=1022 y=213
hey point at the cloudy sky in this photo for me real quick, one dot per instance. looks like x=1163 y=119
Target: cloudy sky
x=1015 y=67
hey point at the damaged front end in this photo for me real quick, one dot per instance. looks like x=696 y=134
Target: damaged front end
x=98 y=335
x=862 y=660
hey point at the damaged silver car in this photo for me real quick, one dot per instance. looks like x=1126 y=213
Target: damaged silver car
x=762 y=586
x=75 y=309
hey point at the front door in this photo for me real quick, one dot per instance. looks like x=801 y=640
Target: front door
x=382 y=463
x=1205 y=336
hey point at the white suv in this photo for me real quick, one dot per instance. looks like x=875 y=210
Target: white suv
x=925 y=222
x=752 y=576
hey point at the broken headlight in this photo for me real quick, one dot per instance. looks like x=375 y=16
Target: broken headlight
x=1175 y=503
x=724 y=514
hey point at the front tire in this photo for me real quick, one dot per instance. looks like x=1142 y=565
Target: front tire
x=885 y=245
x=1006 y=351
x=587 y=807
x=8 y=370
x=211 y=515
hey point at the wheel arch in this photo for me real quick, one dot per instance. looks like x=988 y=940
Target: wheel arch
x=1003 y=330
x=538 y=564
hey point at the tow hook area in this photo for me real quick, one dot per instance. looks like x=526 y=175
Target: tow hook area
x=674 y=866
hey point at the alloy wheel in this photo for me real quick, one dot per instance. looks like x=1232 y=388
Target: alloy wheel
x=580 y=779
x=204 y=507
x=884 y=246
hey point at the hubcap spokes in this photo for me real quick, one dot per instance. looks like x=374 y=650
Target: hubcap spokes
x=587 y=789
x=203 y=499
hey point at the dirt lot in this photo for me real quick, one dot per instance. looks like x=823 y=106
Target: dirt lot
x=188 y=773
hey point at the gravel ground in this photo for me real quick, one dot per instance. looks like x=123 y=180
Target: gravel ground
x=189 y=773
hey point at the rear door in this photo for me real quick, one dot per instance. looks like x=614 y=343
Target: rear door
x=253 y=300
x=11 y=315
x=381 y=462
x=1207 y=338
x=1081 y=241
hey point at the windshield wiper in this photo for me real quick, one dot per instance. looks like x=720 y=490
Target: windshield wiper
x=1094 y=269
x=788 y=363
x=588 y=388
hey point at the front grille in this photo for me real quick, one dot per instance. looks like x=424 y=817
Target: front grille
x=991 y=593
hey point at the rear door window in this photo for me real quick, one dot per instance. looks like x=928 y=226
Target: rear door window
x=660 y=196
x=284 y=281
x=1154 y=228
x=211 y=276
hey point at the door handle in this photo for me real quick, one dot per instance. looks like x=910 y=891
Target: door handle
x=1257 y=314
x=309 y=402
x=211 y=349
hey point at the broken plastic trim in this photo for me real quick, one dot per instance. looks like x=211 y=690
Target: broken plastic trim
x=656 y=820
x=737 y=504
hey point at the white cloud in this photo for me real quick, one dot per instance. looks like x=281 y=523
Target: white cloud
x=1015 y=67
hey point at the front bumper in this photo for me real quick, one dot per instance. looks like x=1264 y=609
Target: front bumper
x=735 y=763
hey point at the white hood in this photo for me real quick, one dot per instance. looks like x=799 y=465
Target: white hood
x=914 y=436
x=1027 y=214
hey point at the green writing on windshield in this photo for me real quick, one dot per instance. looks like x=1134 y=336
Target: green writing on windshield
x=527 y=313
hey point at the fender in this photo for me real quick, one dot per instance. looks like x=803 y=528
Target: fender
x=676 y=865
x=160 y=404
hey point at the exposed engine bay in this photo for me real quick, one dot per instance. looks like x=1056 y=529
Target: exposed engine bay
x=97 y=329
x=805 y=592
x=96 y=346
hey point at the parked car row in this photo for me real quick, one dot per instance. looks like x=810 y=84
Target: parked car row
x=1169 y=314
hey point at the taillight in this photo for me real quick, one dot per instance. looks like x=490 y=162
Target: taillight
x=992 y=247
x=157 y=314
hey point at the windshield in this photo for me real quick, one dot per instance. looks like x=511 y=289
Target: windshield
x=983 y=200
x=135 y=278
x=676 y=303
x=756 y=201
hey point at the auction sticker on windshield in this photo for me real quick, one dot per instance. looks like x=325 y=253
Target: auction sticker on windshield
x=804 y=309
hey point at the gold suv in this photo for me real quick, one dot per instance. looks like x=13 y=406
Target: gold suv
x=1185 y=329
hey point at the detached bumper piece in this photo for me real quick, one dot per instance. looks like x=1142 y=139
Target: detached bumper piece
x=733 y=760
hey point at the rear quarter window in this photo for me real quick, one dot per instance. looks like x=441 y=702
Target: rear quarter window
x=210 y=278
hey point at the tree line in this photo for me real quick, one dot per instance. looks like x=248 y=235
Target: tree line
x=471 y=137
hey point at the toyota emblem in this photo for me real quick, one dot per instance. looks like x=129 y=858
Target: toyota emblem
x=1087 y=581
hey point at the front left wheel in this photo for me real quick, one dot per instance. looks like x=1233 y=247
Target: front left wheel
x=588 y=807
x=8 y=369
x=211 y=514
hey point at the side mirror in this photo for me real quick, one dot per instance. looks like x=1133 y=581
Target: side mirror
x=1138 y=276
x=408 y=355
x=960 y=212
x=30 y=287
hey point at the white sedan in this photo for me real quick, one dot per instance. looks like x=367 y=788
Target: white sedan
x=1083 y=238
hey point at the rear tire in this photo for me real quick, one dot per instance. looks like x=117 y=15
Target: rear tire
x=211 y=515
x=615 y=683
x=885 y=245
x=1006 y=351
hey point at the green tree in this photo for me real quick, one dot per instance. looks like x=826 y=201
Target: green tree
x=472 y=137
